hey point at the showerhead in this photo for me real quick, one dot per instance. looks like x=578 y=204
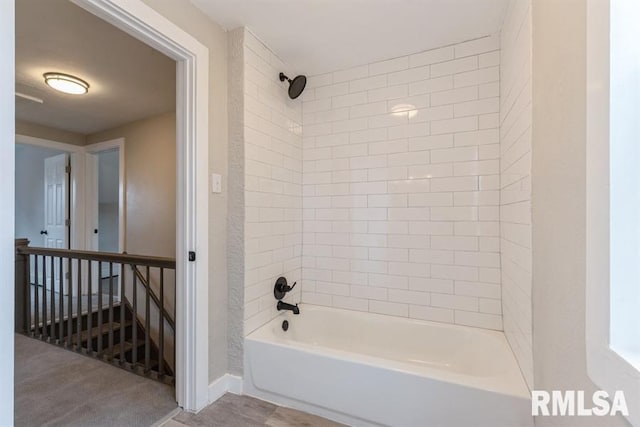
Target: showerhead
x=296 y=86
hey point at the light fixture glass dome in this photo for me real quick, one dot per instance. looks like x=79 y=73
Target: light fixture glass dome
x=66 y=83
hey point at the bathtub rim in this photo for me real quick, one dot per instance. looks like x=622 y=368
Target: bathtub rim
x=511 y=383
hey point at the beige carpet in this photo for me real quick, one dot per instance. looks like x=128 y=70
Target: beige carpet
x=56 y=387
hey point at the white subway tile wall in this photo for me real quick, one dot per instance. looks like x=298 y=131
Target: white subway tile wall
x=515 y=189
x=273 y=183
x=401 y=186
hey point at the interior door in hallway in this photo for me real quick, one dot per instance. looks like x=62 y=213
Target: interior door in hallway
x=56 y=210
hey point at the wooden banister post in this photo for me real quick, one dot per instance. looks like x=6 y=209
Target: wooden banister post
x=22 y=282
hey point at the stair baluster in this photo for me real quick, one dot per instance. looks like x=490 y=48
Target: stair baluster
x=122 y=312
x=70 y=305
x=45 y=335
x=60 y=302
x=36 y=295
x=111 y=315
x=100 y=320
x=52 y=297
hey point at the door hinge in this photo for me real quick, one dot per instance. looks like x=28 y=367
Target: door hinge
x=192 y=256
x=67 y=169
x=66 y=222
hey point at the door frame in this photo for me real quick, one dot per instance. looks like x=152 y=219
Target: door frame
x=91 y=197
x=192 y=148
x=7 y=208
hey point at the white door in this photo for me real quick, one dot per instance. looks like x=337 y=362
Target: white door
x=56 y=211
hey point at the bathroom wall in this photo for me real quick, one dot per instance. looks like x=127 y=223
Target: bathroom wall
x=401 y=186
x=515 y=185
x=267 y=143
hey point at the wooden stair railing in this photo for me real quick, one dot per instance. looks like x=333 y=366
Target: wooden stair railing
x=61 y=299
x=157 y=300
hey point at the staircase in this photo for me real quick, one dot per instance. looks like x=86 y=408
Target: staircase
x=95 y=324
x=113 y=344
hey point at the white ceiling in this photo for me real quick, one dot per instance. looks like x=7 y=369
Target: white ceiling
x=317 y=36
x=129 y=80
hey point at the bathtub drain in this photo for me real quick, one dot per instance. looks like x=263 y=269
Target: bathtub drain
x=285 y=325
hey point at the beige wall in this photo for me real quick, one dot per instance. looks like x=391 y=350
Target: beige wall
x=211 y=35
x=46 y=132
x=559 y=203
x=150 y=176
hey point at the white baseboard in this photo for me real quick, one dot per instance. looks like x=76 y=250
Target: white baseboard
x=235 y=384
x=226 y=383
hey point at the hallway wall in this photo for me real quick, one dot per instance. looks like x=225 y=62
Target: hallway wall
x=150 y=177
x=150 y=215
x=45 y=132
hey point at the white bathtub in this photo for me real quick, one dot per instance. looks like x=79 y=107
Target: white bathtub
x=365 y=369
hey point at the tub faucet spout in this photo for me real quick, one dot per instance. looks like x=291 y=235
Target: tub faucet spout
x=284 y=306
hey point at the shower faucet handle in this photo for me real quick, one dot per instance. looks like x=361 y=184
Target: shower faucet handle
x=281 y=288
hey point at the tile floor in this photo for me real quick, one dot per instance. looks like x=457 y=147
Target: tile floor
x=243 y=411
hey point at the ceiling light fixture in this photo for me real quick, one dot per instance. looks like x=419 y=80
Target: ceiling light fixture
x=66 y=83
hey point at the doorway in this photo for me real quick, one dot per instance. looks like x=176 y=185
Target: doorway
x=43 y=207
x=105 y=207
x=144 y=23
x=42 y=196
x=108 y=201
x=192 y=233
x=105 y=196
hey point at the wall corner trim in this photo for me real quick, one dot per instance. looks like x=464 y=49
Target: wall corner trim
x=226 y=383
